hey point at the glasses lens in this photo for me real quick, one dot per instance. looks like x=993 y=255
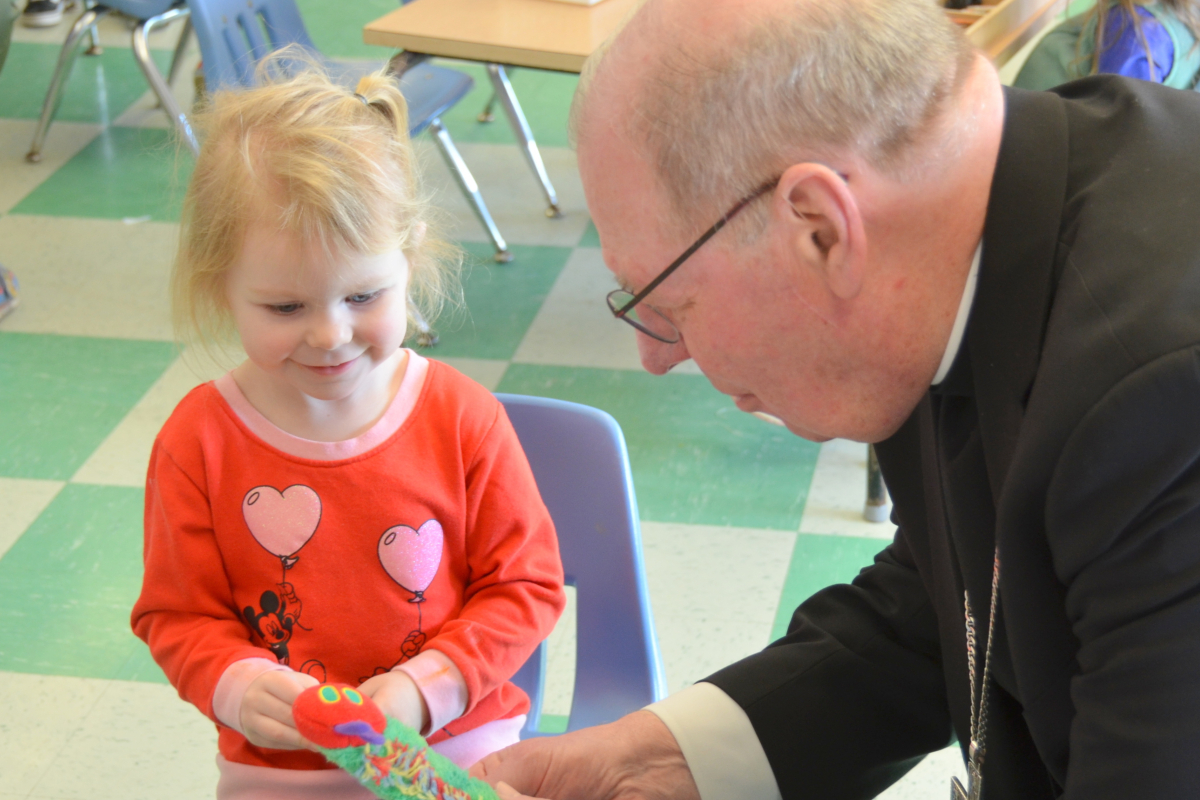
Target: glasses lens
x=643 y=317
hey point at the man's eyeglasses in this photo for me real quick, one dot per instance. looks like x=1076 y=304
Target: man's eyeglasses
x=623 y=304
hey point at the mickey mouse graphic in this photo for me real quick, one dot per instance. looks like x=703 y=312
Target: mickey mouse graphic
x=276 y=620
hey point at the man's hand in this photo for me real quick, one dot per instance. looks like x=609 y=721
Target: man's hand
x=634 y=757
x=398 y=696
x=266 y=712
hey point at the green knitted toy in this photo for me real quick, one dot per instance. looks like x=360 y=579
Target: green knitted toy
x=384 y=755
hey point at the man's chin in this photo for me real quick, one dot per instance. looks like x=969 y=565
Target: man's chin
x=748 y=403
x=807 y=434
x=768 y=417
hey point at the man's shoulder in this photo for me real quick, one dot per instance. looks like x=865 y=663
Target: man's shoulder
x=1126 y=254
x=1130 y=236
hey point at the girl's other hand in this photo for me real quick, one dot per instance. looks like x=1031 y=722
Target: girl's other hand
x=266 y=712
x=398 y=696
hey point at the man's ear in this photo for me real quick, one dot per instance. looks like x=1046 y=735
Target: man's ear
x=825 y=228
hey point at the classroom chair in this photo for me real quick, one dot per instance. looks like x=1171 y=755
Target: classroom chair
x=581 y=466
x=148 y=15
x=235 y=35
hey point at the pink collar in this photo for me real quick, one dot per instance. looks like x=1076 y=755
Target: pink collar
x=401 y=407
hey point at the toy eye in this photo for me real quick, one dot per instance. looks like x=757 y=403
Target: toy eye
x=353 y=696
x=328 y=694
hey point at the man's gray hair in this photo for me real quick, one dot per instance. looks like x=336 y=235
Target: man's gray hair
x=815 y=78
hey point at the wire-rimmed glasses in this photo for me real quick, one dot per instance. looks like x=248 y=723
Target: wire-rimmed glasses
x=623 y=304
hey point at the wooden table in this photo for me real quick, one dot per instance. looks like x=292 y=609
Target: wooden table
x=545 y=34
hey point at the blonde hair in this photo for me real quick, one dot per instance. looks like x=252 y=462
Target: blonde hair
x=342 y=164
x=718 y=119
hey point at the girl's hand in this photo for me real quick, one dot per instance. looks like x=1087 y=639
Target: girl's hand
x=398 y=696
x=266 y=712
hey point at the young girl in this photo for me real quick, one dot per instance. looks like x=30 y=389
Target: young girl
x=336 y=508
x=1154 y=41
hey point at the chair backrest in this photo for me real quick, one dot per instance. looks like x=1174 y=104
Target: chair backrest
x=234 y=35
x=581 y=466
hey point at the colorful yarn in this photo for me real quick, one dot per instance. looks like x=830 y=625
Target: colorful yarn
x=383 y=754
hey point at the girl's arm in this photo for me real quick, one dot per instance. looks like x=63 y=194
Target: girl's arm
x=186 y=611
x=515 y=590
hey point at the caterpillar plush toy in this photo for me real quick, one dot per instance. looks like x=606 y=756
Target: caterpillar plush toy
x=384 y=755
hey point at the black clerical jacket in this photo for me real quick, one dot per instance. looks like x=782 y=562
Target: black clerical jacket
x=1068 y=433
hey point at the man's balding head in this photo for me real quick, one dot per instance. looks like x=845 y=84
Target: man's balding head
x=718 y=96
x=829 y=300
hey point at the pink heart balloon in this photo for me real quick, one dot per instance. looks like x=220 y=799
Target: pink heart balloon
x=282 y=522
x=410 y=556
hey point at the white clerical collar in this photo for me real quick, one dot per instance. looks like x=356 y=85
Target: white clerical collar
x=960 y=320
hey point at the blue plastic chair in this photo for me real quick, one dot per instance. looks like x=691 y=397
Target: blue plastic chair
x=581 y=466
x=149 y=15
x=235 y=35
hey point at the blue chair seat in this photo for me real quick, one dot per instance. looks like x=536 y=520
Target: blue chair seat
x=430 y=92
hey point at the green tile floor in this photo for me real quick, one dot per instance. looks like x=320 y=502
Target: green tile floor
x=88 y=373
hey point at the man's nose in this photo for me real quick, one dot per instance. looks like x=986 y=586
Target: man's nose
x=329 y=332
x=658 y=357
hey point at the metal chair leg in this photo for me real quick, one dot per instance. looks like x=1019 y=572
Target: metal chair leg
x=95 y=48
x=879 y=504
x=141 y=52
x=425 y=335
x=516 y=117
x=180 y=50
x=62 y=71
x=486 y=115
x=466 y=182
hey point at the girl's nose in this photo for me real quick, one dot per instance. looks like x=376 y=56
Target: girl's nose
x=329 y=332
x=658 y=357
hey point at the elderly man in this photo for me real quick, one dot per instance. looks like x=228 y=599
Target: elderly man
x=1001 y=289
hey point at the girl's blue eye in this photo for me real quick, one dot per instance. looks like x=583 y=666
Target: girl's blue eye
x=365 y=297
x=286 y=308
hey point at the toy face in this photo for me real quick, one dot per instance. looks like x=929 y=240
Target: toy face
x=335 y=715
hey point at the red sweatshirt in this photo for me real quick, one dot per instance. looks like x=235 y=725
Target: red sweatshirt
x=345 y=559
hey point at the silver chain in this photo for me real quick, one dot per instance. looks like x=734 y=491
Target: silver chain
x=979 y=735
x=979 y=711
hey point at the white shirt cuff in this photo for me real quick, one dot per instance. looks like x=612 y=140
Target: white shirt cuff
x=719 y=744
x=440 y=683
x=231 y=688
